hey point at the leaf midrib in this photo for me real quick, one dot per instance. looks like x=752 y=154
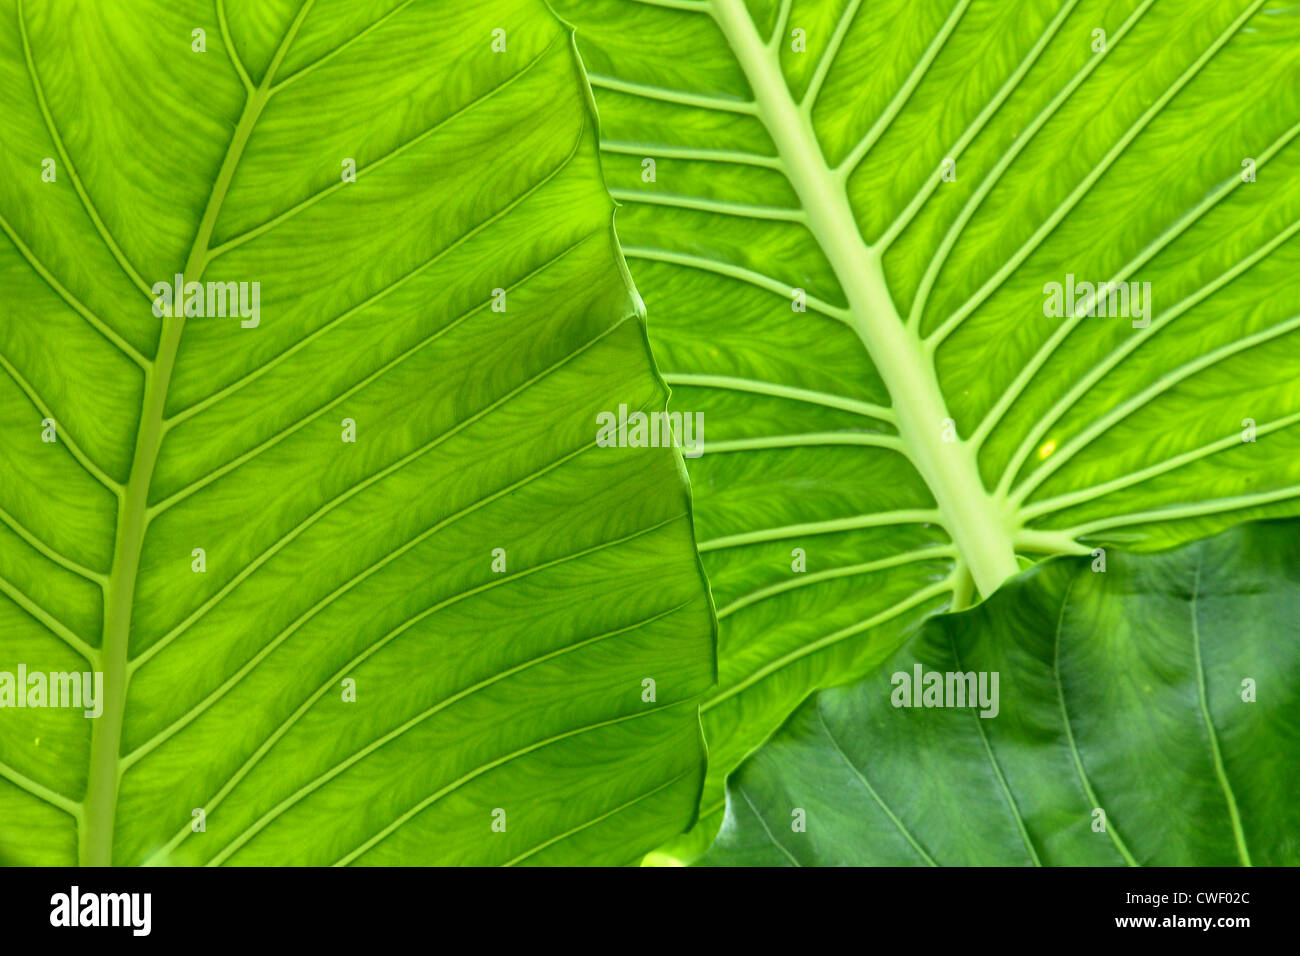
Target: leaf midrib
x=95 y=844
x=975 y=520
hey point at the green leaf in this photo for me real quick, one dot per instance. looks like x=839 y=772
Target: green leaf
x=822 y=170
x=1157 y=698
x=493 y=587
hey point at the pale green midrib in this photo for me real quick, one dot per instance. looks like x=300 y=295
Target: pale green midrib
x=95 y=845
x=971 y=515
x=96 y=836
x=1220 y=771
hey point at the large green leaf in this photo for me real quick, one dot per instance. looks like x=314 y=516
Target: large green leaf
x=822 y=169
x=492 y=687
x=1157 y=698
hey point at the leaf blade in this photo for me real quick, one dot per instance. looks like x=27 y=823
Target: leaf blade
x=478 y=688
x=922 y=294
x=1121 y=692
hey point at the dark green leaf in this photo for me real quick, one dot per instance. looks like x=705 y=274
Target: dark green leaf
x=1161 y=693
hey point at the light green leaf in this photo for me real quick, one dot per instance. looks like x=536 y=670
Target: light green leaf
x=822 y=170
x=1144 y=715
x=494 y=588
